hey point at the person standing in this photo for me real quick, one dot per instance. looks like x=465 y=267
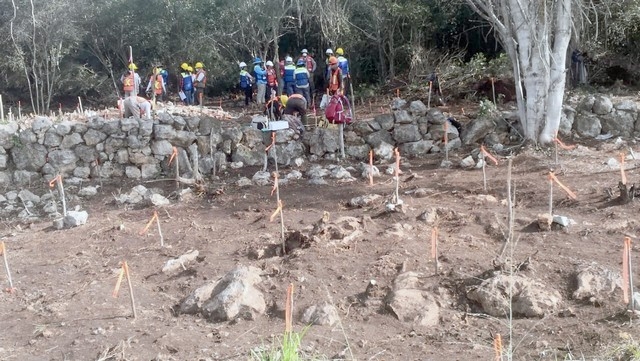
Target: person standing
x=245 y=83
x=200 y=83
x=186 y=84
x=131 y=81
x=272 y=80
x=343 y=63
x=156 y=84
x=193 y=80
x=261 y=80
x=311 y=68
x=327 y=71
x=301 y=76
x=335 y=77
x=289 y=78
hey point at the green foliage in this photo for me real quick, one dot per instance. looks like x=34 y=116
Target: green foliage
x=286 y=348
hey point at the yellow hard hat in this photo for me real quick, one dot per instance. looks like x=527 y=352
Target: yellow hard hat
x=199 y=65
x=283 y=100
x=184 y=66
x=339 y=51
x=190 y=68
x=132 y=66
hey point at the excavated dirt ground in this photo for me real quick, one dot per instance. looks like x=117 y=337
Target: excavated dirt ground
x=63 y=307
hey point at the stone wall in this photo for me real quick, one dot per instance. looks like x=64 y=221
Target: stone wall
x=594 y=115
x=138 y=148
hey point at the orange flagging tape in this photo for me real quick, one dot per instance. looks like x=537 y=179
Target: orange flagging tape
x=275 y=183
x=622 y=174
x=564 y=146
x=288 y=312
x=564 y=188
x=397 y=153
x=118 y=283
x=371 y=167
x=434 y=243
x=57 y=178
x=625 y=269
x=275 y=213
x=446 y=131
x=273 y=142
x=174 y=153
x=146 y=228
x=497 y=346
x=488 y=155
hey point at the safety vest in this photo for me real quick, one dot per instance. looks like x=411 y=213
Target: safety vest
x=288 y=73
x=187 y=82
x=302 y=77
x=334 y=81
x=245 y=81
x=129 y=82
x=309 y=62
x=343 y=63
x=203 y=83
x=272 y=79
x=157 y=84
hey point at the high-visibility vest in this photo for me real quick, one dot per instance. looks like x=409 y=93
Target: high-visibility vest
x=302 y=77
x=343 y=63
x=129 y=82
x=187 y=81
x=334 y=81
x=157 y=84
x=288 y=73
x=245 y=81
x=272 y=79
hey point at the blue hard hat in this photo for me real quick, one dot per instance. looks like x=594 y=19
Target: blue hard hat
x=257 y=60
x=300 y=62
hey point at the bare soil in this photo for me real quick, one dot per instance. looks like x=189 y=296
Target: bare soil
x=63 y=307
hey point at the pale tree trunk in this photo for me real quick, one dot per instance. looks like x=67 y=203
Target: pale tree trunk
x=535 y=35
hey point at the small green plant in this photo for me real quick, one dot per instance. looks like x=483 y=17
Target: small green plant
x=286 y=348
x=487 y=108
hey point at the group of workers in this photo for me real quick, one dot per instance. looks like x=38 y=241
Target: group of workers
x=295 y=80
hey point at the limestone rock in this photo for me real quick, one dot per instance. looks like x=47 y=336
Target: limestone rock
x=409 y=302
x=323 y=314
x=402 y=117
x=595 y=283
x=75 y=218
x=477 y=130
x=587 y=125
x=417 y=108
x=398 y=103
x=235 y=296
x=530 y=298
x=363 y=201
x=602 y=105
x=406 y=133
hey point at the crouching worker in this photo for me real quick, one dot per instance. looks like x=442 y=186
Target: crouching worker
x=274 y=107
x=137 y=107
x=296 y=105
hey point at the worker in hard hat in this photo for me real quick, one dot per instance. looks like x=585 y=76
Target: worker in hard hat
x=193 y=81
x=295 y=105
x=245 y=83
x=329 y=54
x=131 y=81
x=200 y=83
x=186 y=85
x=301 y=75
x=272 y=80
x=311 y=68
x=261 y=80
x=289 y=77
x=156 y=84
x=336 y=84
x=137 y=107
x=343 y=63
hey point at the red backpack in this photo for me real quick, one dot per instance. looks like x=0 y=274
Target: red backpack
x=338 y=110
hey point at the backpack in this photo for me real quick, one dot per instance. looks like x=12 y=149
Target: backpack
x=338 y=110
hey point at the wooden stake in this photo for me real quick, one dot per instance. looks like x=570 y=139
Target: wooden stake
x=58 y=180
x=1 y=109
x=446 y=140
x=493 y=89
x=434 y=248
x=201 y=105
x=3 y=250
x=341 y=135
x=550 y=195
x=484 y=172
x=288 y=310
x=19 y=110
x=622 y=174
x=155 y=214
x=429 y=97
x=133 y=302
x=80 y=105
x=371 y=167
x=396 y=194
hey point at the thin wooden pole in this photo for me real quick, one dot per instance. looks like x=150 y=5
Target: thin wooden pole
x=3 y=249
x=550 y=195
x=133 y=302
x=341 y=131
x=1 y=109
x=429 y=98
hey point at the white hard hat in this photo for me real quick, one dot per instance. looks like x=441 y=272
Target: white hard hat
x=288 y=58
x=304 y=51
x=329 y=51
x=269 y=63
x=242 y=64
